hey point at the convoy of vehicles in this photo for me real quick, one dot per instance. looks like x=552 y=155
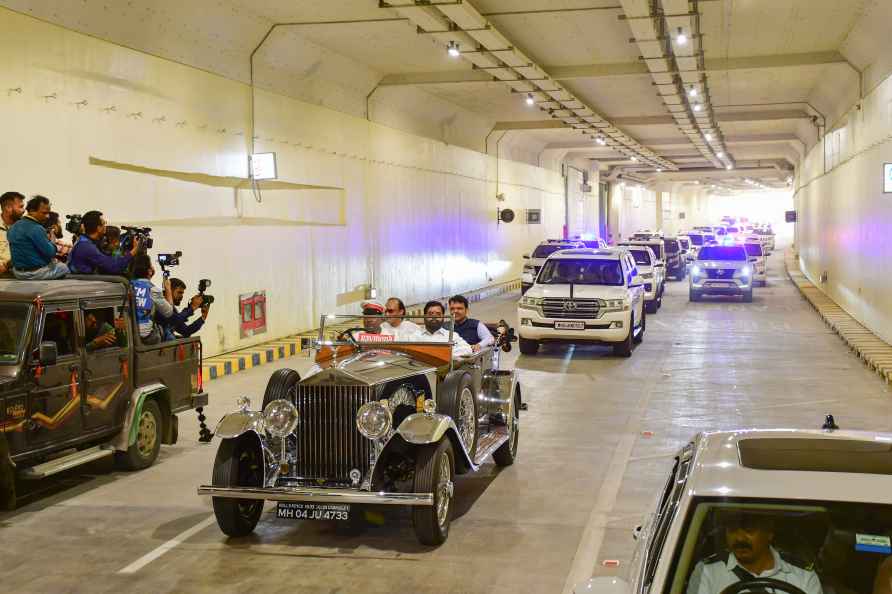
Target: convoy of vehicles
x=584 y=295
x=67 y=399
x=814 y=500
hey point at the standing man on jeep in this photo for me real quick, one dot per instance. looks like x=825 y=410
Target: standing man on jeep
x=87 y=257
x=150 y=300
x=12 y=207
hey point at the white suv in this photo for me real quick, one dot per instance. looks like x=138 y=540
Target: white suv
x=644 y=262
x=537 y=259
x=584 y=295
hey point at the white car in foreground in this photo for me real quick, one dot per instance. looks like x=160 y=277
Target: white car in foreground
x=584 y=295
x=778 y=511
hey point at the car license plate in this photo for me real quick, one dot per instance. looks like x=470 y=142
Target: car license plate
x=298 y=510
x=569 y=325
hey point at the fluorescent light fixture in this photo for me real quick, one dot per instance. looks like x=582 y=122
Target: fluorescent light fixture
x=530 y=100
x=720 y=155
x=263 y=166
x=707 y=136
x=692 y=92
x=729 y=167
x=680 y=37
x=659 y=170
x=634 y=159
x=697 y=107
x=452 y=49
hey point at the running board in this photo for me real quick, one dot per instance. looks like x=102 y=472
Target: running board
x=58 y=465
x=489 y=443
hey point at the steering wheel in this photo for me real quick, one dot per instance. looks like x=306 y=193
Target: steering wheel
x=348 y=335
x=761 y=585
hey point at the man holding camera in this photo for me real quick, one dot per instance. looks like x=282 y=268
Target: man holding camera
x=88 y=258
x=178 y=321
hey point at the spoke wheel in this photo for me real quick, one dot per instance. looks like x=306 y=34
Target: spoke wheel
x=467 y=419
x=434 y=473
x=507 y=452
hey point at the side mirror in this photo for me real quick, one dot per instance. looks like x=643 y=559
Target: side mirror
x=526 y=256
x=603 y=585
x=48 y=353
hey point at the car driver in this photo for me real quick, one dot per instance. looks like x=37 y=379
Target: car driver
x=750 y=556
x=373 y=311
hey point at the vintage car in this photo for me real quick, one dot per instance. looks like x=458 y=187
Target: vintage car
x=375 y=422
x=781 y=511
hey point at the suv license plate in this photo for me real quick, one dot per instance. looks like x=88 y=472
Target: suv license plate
x=569 y=325
x=298 y=510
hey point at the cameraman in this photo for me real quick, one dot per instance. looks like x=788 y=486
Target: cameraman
x=151 y=302
x=178 y=321
x=87 y=257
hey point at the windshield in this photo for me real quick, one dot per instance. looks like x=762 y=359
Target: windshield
x=641 y=257
x=564 y=271
x=716 y=252
x=814 y=545
x=671 y=245
x=753 y=249
x=372 y=329
x=543 y=251
x=709 y=237
x=13 y=318
x=696 y=239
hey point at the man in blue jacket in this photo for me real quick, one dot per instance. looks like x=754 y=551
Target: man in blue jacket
x=87 y=258
x=179 y=321
x=33 y=254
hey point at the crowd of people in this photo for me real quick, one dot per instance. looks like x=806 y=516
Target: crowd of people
x=32 y=247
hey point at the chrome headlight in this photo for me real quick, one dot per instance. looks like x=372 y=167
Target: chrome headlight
x=615 y=303
x=531 y=301
x=374 y=419
x=280 y=418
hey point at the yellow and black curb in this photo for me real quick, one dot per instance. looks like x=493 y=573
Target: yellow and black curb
x=874 y=351
x=289 y=346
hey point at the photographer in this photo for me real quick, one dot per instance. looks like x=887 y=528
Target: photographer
x=151 y=302
x=86 y=256
x=178 y=321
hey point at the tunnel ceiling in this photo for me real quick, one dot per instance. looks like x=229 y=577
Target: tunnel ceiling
x=775 y=70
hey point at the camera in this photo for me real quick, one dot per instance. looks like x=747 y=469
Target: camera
x=73 y=225
x=130 y=235
x=168 y=261
x=203 y=285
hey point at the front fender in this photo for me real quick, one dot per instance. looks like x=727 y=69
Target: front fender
x=424 y=428
x=238 y=423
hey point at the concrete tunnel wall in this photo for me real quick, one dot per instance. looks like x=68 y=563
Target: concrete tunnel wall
x=844 y=217
x=414 y=216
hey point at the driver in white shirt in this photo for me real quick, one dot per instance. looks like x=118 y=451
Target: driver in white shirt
x=401 y=330
x=750 y=556
x=435 y=332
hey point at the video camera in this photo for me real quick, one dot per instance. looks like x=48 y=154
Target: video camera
x=203 y=285
x=130 y=235
x=168 y=261
x=73 y=225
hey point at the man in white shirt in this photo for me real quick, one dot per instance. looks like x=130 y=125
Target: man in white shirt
x=394 y=325
x=434 y=331
x=749 y=556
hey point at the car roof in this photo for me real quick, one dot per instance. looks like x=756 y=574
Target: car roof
x=600 y=253
x=59 y=290
x=793 y=464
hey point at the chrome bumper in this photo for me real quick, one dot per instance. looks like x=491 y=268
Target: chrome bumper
x=313 y=495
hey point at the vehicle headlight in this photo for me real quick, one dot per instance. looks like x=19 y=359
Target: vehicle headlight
x=746 y=271
x=280 y=418
x=696 y=270
x=531 y=301
x=647 y=275
x=615 y=303
x=529 y=269
x=374 y=420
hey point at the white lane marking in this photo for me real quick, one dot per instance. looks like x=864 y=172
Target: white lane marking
x=167 y=546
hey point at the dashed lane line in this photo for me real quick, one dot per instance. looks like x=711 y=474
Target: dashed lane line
x=167 y=546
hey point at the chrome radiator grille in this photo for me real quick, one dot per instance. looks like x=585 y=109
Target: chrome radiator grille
x=571 y=309
x=328 y=443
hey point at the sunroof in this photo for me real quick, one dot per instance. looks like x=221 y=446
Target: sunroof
x=816 y=455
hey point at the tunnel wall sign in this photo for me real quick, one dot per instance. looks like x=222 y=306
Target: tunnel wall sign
x=252 y=313
x=887 y=178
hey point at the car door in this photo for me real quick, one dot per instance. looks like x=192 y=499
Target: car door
x=54 y=404
x=107 y=378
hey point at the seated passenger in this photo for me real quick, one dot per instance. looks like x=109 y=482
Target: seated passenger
x=473 y=331
x=748 y=537
x=99 y=335
x=33 y=254
x=435 y=332
x=400 y=329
